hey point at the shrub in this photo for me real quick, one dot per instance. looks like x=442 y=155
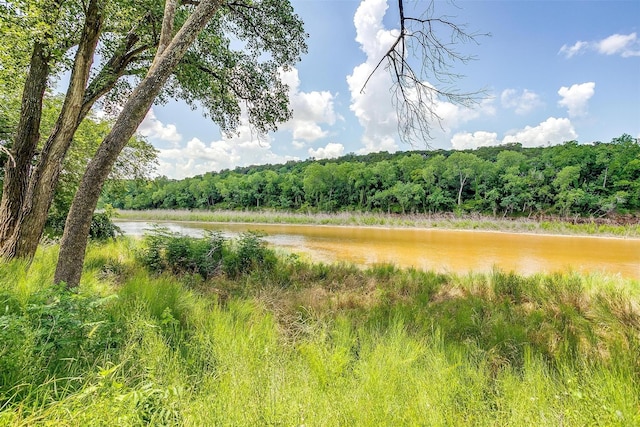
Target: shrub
x=170 y=252
x=250 y=254
x=102 y=228
x=55 y=333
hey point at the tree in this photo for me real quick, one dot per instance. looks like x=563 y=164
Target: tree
x=200 y=67
x=137 y=160
x=462 y=167
x=409 y=195
x=266 y=26
x=50 y=28
x=210 y=73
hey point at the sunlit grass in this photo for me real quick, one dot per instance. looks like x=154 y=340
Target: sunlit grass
x=316 y=345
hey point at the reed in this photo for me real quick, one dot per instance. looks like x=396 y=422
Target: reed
x=472 y=222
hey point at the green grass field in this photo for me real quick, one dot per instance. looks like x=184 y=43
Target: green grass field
x=312 y=344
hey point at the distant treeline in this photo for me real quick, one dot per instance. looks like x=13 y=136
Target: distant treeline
x=570 y=179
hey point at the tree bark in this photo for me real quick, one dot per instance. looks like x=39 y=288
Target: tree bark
x=462 y=183
x=24 y=148
x=74 y=239
x=45 y=176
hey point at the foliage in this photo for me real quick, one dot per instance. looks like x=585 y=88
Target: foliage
x=102 y=227
x=209 y=256
x=136 y=162
x=591 y=180
x=53 y=334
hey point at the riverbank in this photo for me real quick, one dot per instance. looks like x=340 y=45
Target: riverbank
x=447 y=222
x=295 y=343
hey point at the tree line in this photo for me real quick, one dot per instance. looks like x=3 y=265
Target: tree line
x=571 y=179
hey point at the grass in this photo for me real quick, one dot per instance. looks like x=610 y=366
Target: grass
x=444 y=221
x=315 y=345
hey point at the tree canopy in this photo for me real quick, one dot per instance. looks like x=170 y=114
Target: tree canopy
x=570 y=179
x=230 y=65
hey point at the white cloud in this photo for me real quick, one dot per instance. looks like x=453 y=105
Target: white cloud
x=464 y=141
x=522 y=103
x=373 y=106
x=625 y=45
x=298 y=144
x=196 y=157
x=570 y=51
x=153 y=128
x=310 y=109
x=576 y=98
x=330 y=151
x=452 y=116
x=550 y=132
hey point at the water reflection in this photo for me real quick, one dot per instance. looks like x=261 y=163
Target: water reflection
x=440 y=250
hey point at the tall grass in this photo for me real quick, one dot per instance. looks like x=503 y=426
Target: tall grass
x=315 y=345
x=446 y=221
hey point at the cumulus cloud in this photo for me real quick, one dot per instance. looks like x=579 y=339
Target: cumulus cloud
x=310 y=110
x=465 y=140
x=625 y=45
x=576 y=98
x=373 y=106
x=153 y=128
x=552 y=131
x=330 y=151
x=521 y=103
x=452 y=116
x=197 y=157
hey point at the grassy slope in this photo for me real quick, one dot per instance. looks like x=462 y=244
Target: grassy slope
x=471 y=222
x=315 y=345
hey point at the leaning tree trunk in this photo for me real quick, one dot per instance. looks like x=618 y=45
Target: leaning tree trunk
x=76 y=231
x=45 y=176
x=24 y=147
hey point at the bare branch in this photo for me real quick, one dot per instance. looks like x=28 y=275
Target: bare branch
x=420 y=62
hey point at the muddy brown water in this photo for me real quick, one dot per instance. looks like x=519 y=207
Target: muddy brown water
x=435 y=249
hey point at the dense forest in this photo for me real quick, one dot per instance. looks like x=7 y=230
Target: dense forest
x=571 y=179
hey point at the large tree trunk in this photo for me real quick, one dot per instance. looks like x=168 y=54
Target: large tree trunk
x=74 y=240
x=24 y=147
x=45 y=177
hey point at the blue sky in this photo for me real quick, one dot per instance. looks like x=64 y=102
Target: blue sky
x=553 y=71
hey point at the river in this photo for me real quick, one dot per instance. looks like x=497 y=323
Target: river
x=435 y=249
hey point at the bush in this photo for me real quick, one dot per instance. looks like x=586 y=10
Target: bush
x=102 y=228
x=209 y=256
x=54 y=333
x=250 y=254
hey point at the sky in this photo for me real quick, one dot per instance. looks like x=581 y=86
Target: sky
x=551 y=71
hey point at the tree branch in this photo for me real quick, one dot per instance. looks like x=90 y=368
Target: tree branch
x=413 y=95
